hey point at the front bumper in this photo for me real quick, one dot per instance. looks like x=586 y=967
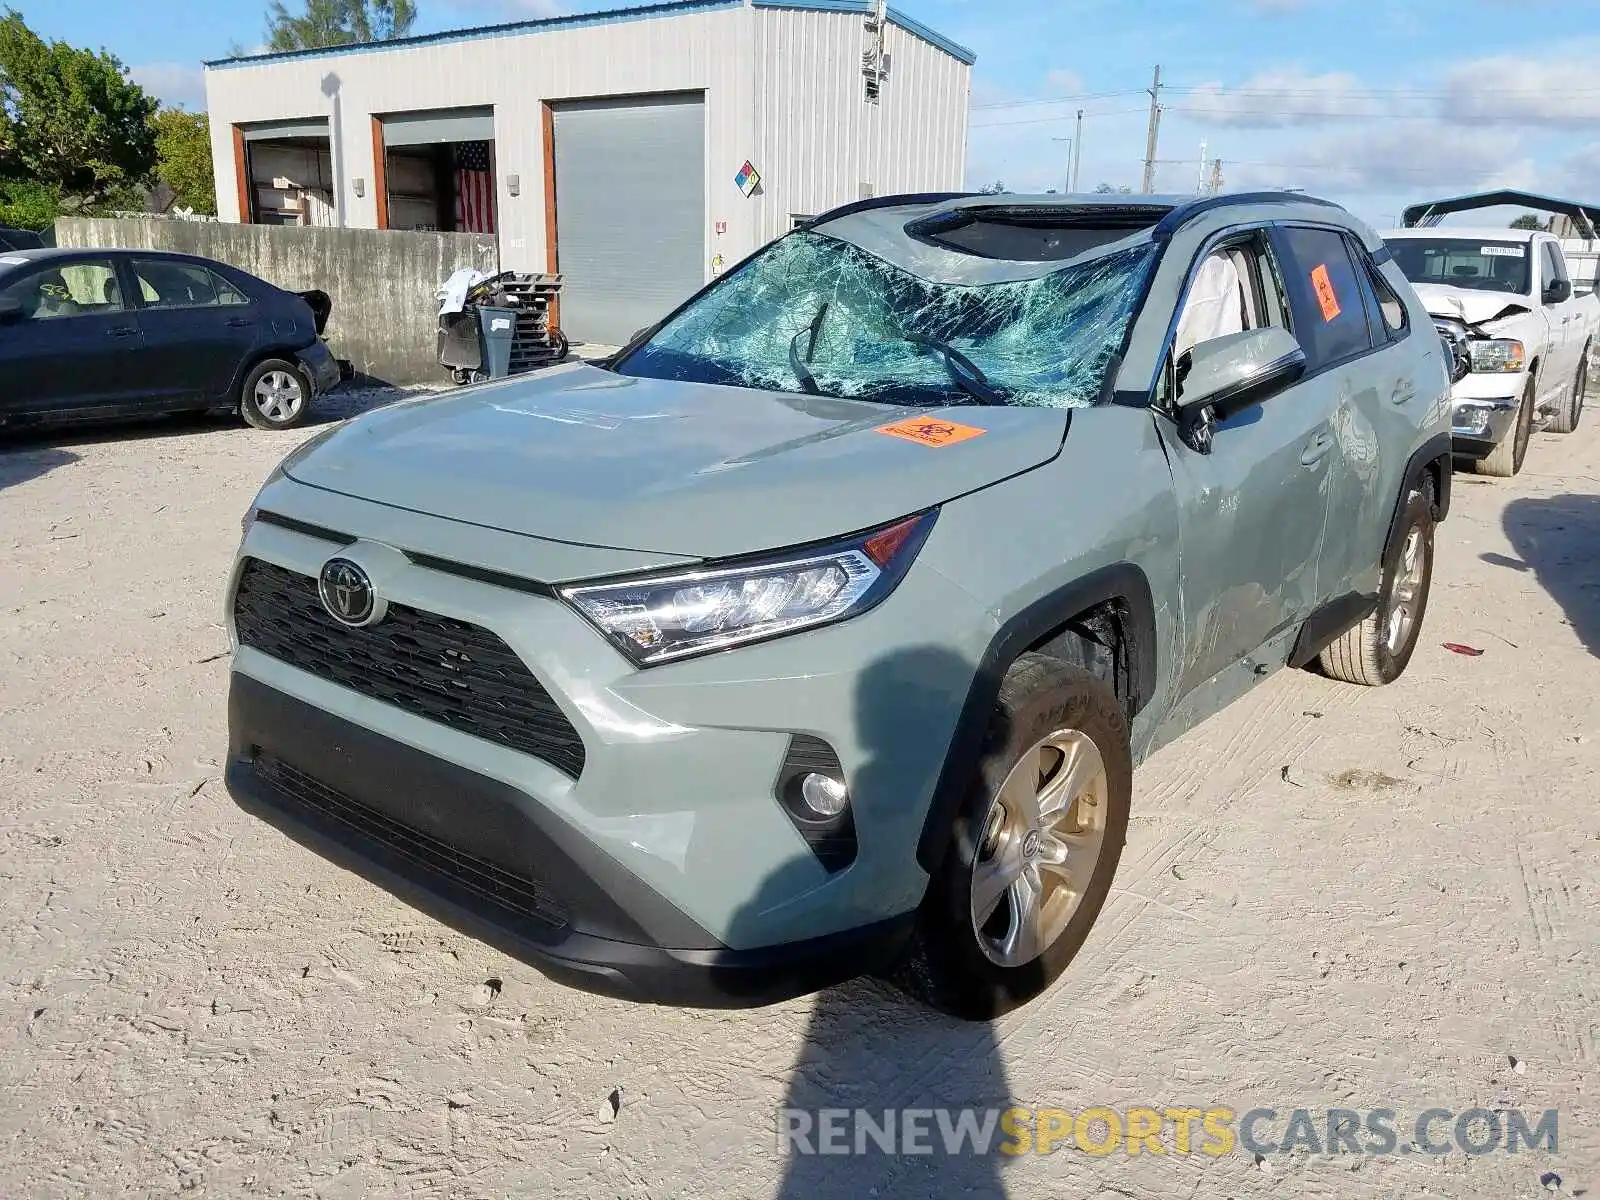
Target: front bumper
x=320 y=367
x=1479 y=424
x=672 y=815
x=472 y=852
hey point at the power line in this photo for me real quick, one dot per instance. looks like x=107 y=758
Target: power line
x=1223 y=91
x=1034 y=100
x=1114 y=112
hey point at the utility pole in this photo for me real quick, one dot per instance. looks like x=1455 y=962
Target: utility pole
x=1077 y=152
x=1070 y=145
x=1216 y=176
x=1200 y=180
x=1150 y=141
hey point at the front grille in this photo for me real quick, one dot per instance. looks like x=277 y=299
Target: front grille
x=444 y=670
x=521 y=894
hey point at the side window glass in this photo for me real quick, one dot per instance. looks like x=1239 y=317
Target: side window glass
x=1325 y=295
x=1390 y=307
x=182 y=285
x=1554 y=267
x=76 y=289
x=1222 y=299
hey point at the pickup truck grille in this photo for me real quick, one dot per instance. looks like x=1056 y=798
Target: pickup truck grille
x=453 y=672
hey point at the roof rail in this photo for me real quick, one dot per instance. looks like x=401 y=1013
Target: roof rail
x=856 y=206
x=1185 y=213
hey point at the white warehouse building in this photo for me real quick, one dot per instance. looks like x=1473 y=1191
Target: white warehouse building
x=636 y=152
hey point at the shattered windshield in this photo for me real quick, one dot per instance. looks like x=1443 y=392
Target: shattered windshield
x=819 y=315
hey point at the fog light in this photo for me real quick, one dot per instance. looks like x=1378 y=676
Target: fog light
x=824 y=796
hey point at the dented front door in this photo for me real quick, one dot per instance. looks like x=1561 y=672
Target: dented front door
x=1251 y=515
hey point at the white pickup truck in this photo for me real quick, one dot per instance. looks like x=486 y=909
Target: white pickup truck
x=1505 y=300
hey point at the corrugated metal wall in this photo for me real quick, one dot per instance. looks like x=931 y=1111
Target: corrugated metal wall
x=818 y=138
x=783 y=88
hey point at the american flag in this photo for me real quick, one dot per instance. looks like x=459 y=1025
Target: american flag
x=474 y=188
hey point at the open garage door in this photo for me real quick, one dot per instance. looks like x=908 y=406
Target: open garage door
x=630 y=198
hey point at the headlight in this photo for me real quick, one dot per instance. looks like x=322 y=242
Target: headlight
x=666 y=617
x=1499 y=355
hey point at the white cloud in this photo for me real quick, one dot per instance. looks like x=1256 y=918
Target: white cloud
x=1554 y=91
x=1278 y=98
x=1418 y=155
x=1527 y=92
x=1064 y=83
x=176 y=85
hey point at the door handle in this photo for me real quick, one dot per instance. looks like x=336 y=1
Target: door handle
x=1316 y=450
x=122 y=331
x=239 y=323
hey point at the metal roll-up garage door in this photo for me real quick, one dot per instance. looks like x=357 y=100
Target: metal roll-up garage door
x=630 y=211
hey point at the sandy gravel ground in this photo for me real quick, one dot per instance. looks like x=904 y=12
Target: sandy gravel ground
x=1331 y=898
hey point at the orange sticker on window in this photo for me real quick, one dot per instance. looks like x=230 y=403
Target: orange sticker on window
x=931 y=431
x=1324 y=289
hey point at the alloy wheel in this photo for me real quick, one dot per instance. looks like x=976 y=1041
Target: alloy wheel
x=1410 y=576
x=279 y=396
x=1042 y=840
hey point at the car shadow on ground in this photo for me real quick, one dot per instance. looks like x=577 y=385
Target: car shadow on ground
x=869 y=1047
x=24 y=459
x=1558 y=539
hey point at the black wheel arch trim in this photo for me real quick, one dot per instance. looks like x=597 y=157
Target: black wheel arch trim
x=1123 y=582
x=1439 y=449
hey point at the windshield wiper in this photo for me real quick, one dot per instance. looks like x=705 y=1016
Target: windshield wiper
x=808 y=381
x=966 y=373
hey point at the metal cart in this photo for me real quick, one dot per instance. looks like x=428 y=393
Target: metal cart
x=504 y=329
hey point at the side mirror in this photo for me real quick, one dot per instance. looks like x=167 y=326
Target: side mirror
x=1229 y=374
x=10 y=309
x=1233 y=372
x=1557 y=291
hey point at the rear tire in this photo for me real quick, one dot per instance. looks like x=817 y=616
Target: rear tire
x=1378 y=650
x=1058 y=741
x=1566 y=418
x=1507 y=458
x=276 y=395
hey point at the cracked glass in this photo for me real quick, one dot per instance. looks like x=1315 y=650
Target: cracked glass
x=819 y=315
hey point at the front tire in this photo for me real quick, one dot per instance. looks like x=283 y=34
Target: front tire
x=1566 y=418
x=276 y=395
x=1506 y=458
x=1378 y=650
x=1034 y=847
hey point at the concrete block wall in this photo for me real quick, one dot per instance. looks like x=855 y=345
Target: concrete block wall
x=381 y=282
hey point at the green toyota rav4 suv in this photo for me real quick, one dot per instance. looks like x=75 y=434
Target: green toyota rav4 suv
x=819 y=631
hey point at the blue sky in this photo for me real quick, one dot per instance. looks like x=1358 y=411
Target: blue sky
x=1370 y=102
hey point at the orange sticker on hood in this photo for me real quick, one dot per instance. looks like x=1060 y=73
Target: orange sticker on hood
x=931 y=431
x=1326 y=300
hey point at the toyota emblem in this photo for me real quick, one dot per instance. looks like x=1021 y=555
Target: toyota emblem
x=347 y=593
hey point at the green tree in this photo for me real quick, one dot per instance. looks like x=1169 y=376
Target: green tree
x=72 y=119
x=183 y=159
x=338 y=23
x=1529 y=221
x=28 y=205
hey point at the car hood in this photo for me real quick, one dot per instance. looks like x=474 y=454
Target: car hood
x=581 y=455
x=1473 y=307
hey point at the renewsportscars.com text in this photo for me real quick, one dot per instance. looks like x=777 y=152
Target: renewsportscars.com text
x=1213 y=1131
